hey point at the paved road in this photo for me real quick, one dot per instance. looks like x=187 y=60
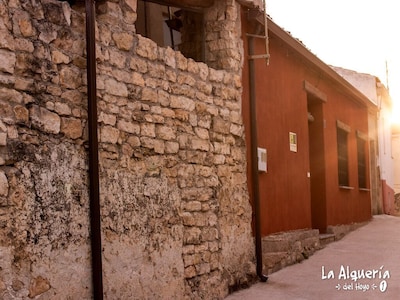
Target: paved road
x=370 y=254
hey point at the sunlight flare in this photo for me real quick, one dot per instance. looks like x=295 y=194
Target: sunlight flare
x=395 y=117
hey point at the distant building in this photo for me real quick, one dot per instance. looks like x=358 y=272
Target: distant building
x=396 y=157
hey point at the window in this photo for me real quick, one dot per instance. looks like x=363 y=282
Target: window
x=174 y=27
x=361 y=158
x=343 y=156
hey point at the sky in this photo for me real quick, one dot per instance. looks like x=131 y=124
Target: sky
x=360 y=35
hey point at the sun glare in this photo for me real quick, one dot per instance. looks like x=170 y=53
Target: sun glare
x=395 y=118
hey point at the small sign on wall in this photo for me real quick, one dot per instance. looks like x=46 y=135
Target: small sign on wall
x=293 y=141
x=262 y=159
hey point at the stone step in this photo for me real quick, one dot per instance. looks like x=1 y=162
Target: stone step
x=287 y=241
x=287 y=248
x=326 y=238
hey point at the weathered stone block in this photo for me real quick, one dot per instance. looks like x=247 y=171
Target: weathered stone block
x=7 y=80
x=147 y=142
x=73 y=96
x=59 y=58
x=115 y=88
x=222 y=148
x=200 y=144
x=38 y=286
x=192 y=236
x=109 y=134
x=3 y=184
x=10 y=95
x=192 y=259
x=132 y=4
x=148 y=129
x=129 y=127
x=3 y=138
x=236 y=130
x=62 y=109
x=171 y=147
x=209 y=234
x=168 y=56
x=123 y=40
x=213 y=246
x=221 y=126
x=159 y=146
x=149 y=94
x=45 y=120
x=71 y=127
x=134 y=141
x=216 y=75
x=6 y=40
x=190 y=272
x=109 y=13
x=147 y=48
x=25 y=27
x=203 y=268
x=185 y=79
x=165 y=132
x=202 y=133
x=23 y=45
x=107 y=119
x=194 y=219
x=137 y=79
x=138 y=64
x=192 y=206
x=117 y=59
x=70 y=77
x=21 y=114
x=24 y=84
x=181 y=61
x=47 y=35
x=157 y=73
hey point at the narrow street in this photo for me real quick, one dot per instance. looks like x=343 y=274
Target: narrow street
x=365 y=264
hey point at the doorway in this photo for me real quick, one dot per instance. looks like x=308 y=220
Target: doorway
x=316 y=125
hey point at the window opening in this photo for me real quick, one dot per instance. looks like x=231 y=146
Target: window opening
x=175 y=27
x=362 y=164
x=343 y=159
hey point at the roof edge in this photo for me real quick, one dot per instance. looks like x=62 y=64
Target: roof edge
x=301 y=49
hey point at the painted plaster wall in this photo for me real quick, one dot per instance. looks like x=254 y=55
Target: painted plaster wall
x=396 y=159
x=282 y=108
x=379 y=95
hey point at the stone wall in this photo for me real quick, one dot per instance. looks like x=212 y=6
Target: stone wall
x=287 y=248
x=176 y=219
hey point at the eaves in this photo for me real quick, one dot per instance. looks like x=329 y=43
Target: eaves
x=313 y=60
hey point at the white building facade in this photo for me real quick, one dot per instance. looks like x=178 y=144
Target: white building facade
x=396 y=157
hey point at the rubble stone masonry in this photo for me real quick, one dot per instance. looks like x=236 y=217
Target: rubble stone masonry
x=175 y=213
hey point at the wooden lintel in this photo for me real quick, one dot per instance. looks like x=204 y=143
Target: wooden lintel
x=362 y=135
x=315 y=91
x=185 y=3
x=343 y=126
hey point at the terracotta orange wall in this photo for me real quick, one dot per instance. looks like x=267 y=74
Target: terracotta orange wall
x=354 y=205
x=282 y=108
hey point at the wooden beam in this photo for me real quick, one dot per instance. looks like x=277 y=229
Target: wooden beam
x=185 y=3
x=315 y=91
x=343 y=126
